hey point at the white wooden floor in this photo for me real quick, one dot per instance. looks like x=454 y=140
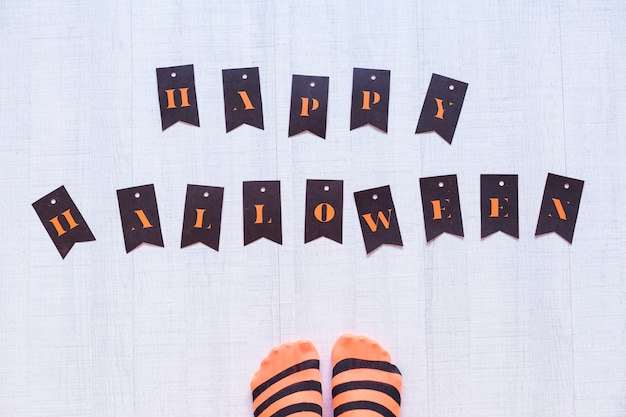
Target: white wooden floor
x=479 y=327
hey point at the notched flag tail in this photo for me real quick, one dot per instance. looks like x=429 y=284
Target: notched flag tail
x=242 y=98
x=62 y=220
x=441 y=206
x=140 y=216
x=324 y=210
x=442 y=107
x=559 y=207
x=370 y=98
x=177 y=96
x=309 y=105
x=202 y=220
x=262 y=211
x=377 y=216
x=499 y=205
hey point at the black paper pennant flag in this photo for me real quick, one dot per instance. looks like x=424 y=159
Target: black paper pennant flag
x=377 y=216
x=559 y=207
x=242 y=98
x=262 y=211
x=499 y=205
x=324 y=210
x=140 y=216
x=441 y=206
x=370 y=98
x=442 y=107
x=62 y=220
x=309 y=105
x=202 y=220
x=177 y=95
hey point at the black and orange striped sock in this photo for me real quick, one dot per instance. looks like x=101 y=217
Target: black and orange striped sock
x=288 y=382
x=365 y=382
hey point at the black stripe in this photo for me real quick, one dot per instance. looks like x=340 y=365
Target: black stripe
x=297 y=408
x=352 y=363
x=310 y=364
x=297 y=387
x=388 y=389
x=364 y=405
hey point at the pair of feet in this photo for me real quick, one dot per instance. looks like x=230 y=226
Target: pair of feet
x=365 y=383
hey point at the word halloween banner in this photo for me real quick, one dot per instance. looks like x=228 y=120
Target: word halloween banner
x=323 y=217
x=309 y=101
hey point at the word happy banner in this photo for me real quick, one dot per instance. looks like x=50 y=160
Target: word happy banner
x=309 y=101
x=262 y=217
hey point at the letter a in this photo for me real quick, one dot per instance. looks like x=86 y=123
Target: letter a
x=145 y=223
x=559 y=208
x=246 y=100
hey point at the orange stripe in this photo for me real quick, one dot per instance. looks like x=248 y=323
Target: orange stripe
x=367 y=395
x=362 y=374
x=360 y=413
x=295 y=398
x=309 y=414
x=306 y=375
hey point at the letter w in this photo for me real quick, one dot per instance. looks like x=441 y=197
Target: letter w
x=373 y=225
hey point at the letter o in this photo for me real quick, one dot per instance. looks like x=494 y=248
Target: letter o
x=319 y=212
